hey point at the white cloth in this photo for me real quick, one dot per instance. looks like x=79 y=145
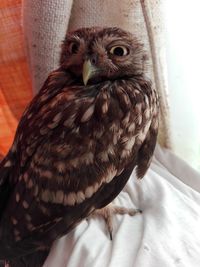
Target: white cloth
x=166 y=234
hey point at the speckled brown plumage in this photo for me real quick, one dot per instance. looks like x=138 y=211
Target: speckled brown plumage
x=77 y=144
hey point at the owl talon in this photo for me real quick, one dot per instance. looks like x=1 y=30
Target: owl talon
x=108 y=212
x=111 y=236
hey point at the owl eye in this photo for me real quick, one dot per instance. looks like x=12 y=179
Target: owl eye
x=119 y=51
x=73 y=48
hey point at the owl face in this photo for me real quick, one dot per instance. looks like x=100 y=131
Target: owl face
x=95 y=54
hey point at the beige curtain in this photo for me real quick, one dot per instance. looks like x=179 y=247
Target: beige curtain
x=46 y=21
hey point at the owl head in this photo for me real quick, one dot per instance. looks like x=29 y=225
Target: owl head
x=97 y=54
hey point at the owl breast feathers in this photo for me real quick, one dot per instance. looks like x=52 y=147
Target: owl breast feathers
x=94 y=120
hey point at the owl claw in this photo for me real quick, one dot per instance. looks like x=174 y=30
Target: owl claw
x=108 y=212
x=111 y=236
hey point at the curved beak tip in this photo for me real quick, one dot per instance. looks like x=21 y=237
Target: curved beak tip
x=88 y=69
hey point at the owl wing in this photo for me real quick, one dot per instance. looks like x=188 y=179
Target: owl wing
x=52 y=175
x=147 y=148
x=26 y=142
x=56 y=80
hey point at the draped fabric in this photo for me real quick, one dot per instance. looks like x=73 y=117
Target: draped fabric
x=15 y=83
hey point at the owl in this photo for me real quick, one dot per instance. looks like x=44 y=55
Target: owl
x=94 y=120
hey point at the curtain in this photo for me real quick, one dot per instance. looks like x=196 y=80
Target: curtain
x=15 y=83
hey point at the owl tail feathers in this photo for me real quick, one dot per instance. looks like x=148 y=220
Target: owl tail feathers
x=24 y=253
x=36 y=259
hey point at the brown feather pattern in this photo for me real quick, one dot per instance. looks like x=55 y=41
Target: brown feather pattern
x=76 y=146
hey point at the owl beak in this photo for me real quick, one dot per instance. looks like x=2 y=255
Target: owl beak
x=88 y=71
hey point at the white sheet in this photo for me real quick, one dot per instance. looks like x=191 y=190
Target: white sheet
x=166 y=234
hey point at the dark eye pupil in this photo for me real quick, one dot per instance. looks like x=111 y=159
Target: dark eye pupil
x=118 y=51
x=74 y=48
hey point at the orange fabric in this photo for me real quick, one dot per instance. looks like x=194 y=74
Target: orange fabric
x=15 y=84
